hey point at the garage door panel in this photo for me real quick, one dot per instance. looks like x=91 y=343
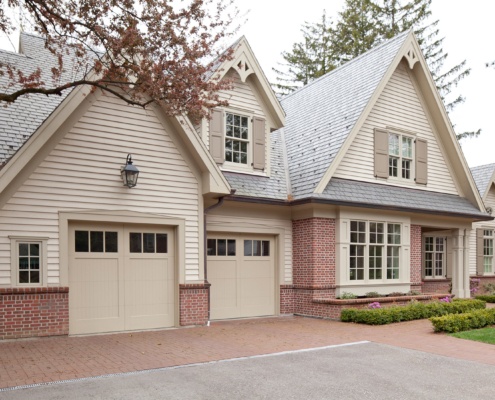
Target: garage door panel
x=242 y=285
x=149 y=293
x=116 y=290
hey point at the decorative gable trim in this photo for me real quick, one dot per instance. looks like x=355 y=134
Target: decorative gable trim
x=246 y=65
x=411 y=52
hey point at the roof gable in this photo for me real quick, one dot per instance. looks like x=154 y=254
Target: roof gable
x=322 y=114
x=484 y=177
x=246 y=65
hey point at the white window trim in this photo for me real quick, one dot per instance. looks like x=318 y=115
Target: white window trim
x=384 y=245
x=492 y=237
x=412 y=171
x=423 y=255
x=14 y=259
x=238 y=167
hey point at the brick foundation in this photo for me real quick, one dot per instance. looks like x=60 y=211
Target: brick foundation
x=30 y=312
x=194 y=304
x=484 y=280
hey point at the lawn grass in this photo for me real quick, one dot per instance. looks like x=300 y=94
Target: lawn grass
x=485 y=335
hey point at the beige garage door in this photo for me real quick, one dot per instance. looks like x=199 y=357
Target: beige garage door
x=121 y=277
x=241 y=270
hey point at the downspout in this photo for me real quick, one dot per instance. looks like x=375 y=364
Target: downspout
x=205 y=246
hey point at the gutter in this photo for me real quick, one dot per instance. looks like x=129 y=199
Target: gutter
x=205 y=246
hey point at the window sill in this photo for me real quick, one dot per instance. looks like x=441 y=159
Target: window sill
x=243 y=171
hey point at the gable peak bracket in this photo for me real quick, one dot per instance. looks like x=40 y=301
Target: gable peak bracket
x=243 y=67
x=411 y=57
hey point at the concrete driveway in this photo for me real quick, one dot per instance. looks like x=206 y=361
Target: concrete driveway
x=359 y=371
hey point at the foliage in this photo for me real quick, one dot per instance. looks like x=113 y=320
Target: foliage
x=412 y=311
x=396 y=294
x=489 y=298
x=445 y=299
x=474 y=286
x=485 y=335
x=489 y=288
x=141 y=51
x=309 y=59
x=464 y=322
x=414 y=293
x=348 y=295
x=364 y=24
x=373 y=294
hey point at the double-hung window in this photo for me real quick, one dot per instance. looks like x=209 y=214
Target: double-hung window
x=237 y=139
x=434 y=257
x=488 y=251
x=28 y=261
x=400 y=160
x=374 y=251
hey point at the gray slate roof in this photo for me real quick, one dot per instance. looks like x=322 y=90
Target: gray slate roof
x=391 y=197
x=273 y=187
x=321 y=115
x=482 y=175
x=18 y=121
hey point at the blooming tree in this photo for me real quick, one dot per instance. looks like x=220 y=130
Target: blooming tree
x=142 y=51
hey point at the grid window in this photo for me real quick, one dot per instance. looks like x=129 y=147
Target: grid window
x=400 y=160
x=221 y=247
x=96 y=242
x=488 y=251
x=434 y=256
x=256 y=248
x=146 y=242
x=29 y=262
x=237 y=138
x=371 y=243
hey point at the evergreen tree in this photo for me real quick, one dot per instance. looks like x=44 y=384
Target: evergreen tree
x=356 y=30
x=309 y=59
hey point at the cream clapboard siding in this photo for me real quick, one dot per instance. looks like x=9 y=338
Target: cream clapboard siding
x=254 y=224
x=398 y=106
x=83 y=172
x=244 y=99
x=489 y=202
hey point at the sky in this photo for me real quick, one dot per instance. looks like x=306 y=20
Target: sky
x=274 y=26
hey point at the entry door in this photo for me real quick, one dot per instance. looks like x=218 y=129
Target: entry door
x=121 y=277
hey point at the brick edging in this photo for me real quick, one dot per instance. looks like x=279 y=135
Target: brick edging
x=342 y=302
x=205 y=285
x=33 y=290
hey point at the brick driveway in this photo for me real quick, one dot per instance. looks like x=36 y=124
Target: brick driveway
x=30 y=361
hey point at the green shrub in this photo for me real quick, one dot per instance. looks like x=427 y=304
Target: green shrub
x=412 y=311
x=464 y=322
x=487 y=298
x=373 y=294
x=348 y=295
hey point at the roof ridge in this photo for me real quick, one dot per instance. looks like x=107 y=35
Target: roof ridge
x=350 y=62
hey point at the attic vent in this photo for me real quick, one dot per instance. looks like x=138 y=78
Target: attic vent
x=411 y=57
x=243 y=68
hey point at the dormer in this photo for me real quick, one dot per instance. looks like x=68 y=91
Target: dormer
x=238 y=135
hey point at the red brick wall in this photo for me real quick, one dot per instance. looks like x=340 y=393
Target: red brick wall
x=194 y=304
x=313 y=252
x=286 y=299
x=436 y=286
x=28 y=312
x=484 y=280
x=416 y=255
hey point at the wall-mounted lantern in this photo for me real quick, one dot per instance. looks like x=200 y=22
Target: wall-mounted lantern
x=129 y=173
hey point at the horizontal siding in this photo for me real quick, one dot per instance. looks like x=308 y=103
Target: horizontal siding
x=398 y=106
x=240 y=223
x=83 y=172
x=489 y=202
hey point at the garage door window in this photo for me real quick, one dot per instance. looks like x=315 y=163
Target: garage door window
x=140 y=242
x=96 y=242
x=221 y=247
x=256 y=248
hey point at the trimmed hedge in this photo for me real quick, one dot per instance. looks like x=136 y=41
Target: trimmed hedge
x=488 y=298
x=464 y=322
x=415 y=310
